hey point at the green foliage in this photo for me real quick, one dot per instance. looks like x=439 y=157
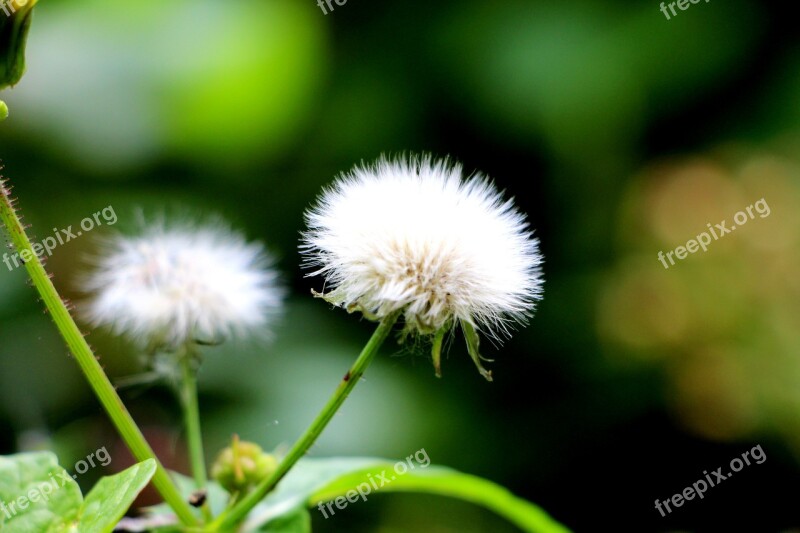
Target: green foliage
x=232 y=82
x=440 y=481
x=26 y=474
x=314 y=481
x=46 y=498
x=108 y=501
x=297 y=521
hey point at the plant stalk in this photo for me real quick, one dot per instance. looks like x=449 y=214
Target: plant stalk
x=191 y=415
x=229 y=519
x=87 y=361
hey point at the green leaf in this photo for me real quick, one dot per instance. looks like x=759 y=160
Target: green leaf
x=108 y=501
x=15 y=20
x=298 y=521
x=296 y=489
x=36 y=494
x=315 y=481
x=441 y=481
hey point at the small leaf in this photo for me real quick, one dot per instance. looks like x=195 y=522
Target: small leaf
x=15 y=20
x=473 y=346
x=110 y=499
x=436 y=351
x=36 y=494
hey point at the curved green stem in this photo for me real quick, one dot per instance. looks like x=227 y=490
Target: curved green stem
x=228 y=520
x=87 y=361
x=191 y=415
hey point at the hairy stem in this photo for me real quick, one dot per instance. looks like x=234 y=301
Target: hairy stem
x=86 y=359
x=228 y=520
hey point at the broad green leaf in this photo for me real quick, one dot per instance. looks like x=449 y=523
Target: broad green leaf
x=108 y=501
x=37 y=495
x=315 y=481
x=306 y=478
x=15 y=20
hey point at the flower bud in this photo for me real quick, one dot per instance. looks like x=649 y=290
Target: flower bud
x=242 y=465
x=15 y=20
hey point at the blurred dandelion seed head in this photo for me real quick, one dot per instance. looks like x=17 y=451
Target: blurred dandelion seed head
x=168 y=287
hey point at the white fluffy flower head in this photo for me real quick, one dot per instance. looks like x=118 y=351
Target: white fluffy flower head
x=415 y=235
x=169 y=287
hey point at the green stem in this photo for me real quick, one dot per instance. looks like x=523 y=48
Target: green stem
x=437 y=350
x=191 y=414
x=87 y=361
x=228 y=520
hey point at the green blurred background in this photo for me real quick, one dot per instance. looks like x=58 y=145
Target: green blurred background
x=620 y=133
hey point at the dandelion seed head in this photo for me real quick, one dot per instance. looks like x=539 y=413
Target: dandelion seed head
x=170 y=286
x=413 y=234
